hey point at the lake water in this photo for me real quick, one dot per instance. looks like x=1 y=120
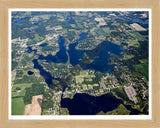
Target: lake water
x=84 y=104
x=36 y=24
x=69 y=20
x=141 y=21
x=17 y=21
x=42 y=45
x=46 y=75
x=100 y=63
x=101 y=60
x=31 y=50
x=30 y=73
x=60 y=57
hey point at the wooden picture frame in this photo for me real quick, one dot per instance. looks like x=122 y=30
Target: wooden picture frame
x=5 y=5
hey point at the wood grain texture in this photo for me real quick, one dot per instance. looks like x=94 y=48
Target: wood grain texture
x=6 y=4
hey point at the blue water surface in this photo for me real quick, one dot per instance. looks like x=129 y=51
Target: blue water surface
x=30 y=73
x=141 y=21
x=69 y=20
x=100 y=62
x=42 y=45
x=17 y=21
x=84 y=104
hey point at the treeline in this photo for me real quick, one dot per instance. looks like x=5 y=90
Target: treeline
x=36 y=89
x=120 y=92
x=139 y=53
x=70 y=35
x=47 y=100
x=14 y=65
x=19 y=31
x=48 y=48
x=98 y=77
x=47 y=104
x=118 y=76
x=26 y=79
x=19 y=73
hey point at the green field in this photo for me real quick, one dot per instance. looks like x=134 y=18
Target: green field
x=30 y=55
x=120 y=93
x=18 y=106
x=143 y=69
x=22 y=92
x=107 y=30
x=134 y=43
x=127 y=57
x=143 y=61
x=121 y=110
x=64 y=111
x=138 y=36
x=100 y=32
x=101 y=113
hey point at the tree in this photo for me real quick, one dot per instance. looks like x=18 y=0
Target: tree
x=18 y=88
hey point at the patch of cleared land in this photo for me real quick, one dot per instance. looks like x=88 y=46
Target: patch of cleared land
x=84 y=86
x=36 y=107
x=126 y=57
x=131 y=93
x=133 y=43
x=80 y=78
x=107 y=30
x=143 y=61
x=90 y=86
x=77 y=13
x=101 y=21
x=137 y=27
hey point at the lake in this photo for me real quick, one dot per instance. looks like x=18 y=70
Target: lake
x=84 y=104
x=17 y=21
x=30 y=73
x=69 y=20
x=60 y=57
x=43 y=45
x=31 y=50
x=141 y=21
x=100 y=63
x=101 y=60
x=46 y=75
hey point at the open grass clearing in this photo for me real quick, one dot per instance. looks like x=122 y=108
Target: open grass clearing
x=143 y=69
x=22 y=91
x=18 y=106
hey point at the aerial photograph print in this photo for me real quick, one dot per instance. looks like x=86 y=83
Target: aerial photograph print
x=79 y=62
